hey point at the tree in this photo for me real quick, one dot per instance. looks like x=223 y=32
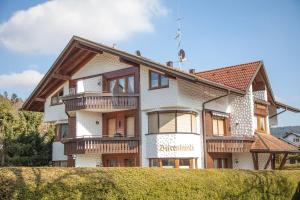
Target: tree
x=23 y=140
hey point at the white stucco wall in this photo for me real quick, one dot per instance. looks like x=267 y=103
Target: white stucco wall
x=100 y=64
x=58 y=151
x=245 y=161
x=157 y=145
x=159 y=98
x=242 y=161
x=86 y=123
x=87 y=160
x=56 y=112
x=90 y=85
x=193 y=95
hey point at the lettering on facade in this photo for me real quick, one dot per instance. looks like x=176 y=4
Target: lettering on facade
x=181 y=147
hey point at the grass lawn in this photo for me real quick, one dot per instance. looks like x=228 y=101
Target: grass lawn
x=146 y=183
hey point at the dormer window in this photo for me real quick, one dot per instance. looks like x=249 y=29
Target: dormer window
x=157 y=80
x=56 y=98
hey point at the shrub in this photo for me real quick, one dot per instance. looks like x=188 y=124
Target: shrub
x=146 y=183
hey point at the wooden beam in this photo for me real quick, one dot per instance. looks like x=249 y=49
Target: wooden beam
x=283 y=161
x=89 y=48
x=40 y=99
x=255 y=161
x=273 y=161
x=128 y=62
x=268 y=162
x=61 y=77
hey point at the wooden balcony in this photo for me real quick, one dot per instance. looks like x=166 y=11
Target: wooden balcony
x=101 y=145
x=100 y=101
x=229 y=144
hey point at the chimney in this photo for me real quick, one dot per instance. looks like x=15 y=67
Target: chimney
x=192 y=71
x=170 y=63
x=138 y=53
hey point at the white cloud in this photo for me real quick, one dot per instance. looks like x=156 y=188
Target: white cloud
x=45 y=28
x=24 y=80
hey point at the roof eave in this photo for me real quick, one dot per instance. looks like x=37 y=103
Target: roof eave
x=287 y=107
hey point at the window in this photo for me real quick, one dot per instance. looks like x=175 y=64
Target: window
x=168 y=163
x=296 y=140
x=218 y=126
x=130 y=127
x=129 y=162
x=184 y=122
x=167 y=122
x=56 y=98
x=261 y=123
x=61 y=131
x=157 y=80
x=182 y=163
x=171 y=122
x=153 y=123
x=122 y=85
x=64 y=130
x=221 y=163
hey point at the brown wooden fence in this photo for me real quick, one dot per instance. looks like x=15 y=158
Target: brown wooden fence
x=229 y=144
x=100 y=101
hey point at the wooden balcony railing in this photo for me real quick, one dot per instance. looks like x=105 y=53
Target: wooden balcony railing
x=229 y=144
x=100 y=101
x=101 y=145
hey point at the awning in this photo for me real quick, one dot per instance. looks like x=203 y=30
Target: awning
x=267 y=143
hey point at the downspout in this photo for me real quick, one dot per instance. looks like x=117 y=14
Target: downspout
x=203 y=124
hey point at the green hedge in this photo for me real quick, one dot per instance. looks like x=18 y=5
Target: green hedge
x=146 y=183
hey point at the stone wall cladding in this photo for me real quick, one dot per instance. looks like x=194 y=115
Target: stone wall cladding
x=242 y=114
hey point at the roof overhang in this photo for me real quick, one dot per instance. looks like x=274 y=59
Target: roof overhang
x=286 y=107
x=79 y=51
x=267 y=143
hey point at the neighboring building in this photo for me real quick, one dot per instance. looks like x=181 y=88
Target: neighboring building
x=291 y=135
x=293 y=138
x=280 y=132
x=112 y=108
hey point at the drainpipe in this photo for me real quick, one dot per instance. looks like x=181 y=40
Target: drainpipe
x=203 y=123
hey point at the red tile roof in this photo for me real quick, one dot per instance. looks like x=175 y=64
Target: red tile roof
x=237 y=76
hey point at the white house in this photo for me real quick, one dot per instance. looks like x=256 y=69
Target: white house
x=112 y=108
x=293 y=138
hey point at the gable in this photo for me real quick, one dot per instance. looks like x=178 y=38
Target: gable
x=100 y=64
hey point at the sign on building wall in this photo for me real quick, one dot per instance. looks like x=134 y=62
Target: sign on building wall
x=173 y=145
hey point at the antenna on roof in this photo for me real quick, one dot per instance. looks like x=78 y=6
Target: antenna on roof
x=178 y=37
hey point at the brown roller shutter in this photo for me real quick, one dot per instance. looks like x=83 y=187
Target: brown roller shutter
x=227 y=126
x=72 y=127
x=208 y=124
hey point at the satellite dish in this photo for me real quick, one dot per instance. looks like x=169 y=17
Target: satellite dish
x=181 y=55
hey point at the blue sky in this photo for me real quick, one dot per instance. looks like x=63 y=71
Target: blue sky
x=215 y=33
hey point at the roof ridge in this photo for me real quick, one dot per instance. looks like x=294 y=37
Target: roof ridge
x=226 y=67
